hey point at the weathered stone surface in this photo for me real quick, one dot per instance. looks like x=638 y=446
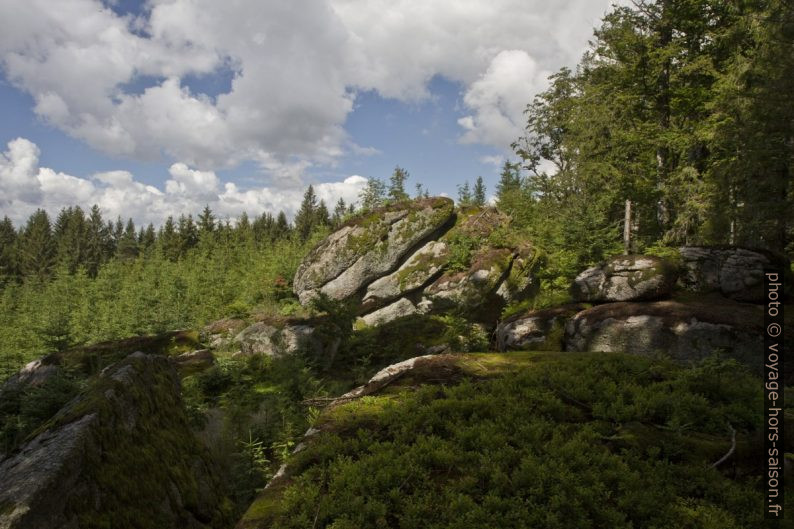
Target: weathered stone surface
x=415 y=273
x=76 y=471
x=685 y=331
x=737 y=273
x=257 y=339
x=536 y=330
x=368 y=248
x=279 y=338
x=472 y=293
x=399 y=309
x=625 y=278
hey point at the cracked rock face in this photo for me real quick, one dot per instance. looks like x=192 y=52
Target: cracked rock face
x=536 y=330
x=737 y=273
x=684 y=331
x=625 y=278
x=355 y=255
x=421 y=257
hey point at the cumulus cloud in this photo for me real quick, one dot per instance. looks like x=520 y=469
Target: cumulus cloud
x=25 y=186
x=499 y=97
x=296 y=68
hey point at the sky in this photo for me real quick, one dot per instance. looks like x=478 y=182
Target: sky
x=160 y=107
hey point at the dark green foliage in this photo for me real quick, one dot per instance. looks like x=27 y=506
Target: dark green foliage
x=305 y=218
x=24 y=410
x=547 y=446
x=683 y=107
x=36 y=252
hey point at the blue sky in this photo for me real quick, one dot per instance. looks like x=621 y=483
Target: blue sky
x=159 y=108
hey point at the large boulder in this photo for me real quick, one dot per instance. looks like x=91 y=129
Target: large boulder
x=687 y=331
x=122 y=453
x=737 y=273
x=369 y=247
x=536 y=330
x=399 y=309
x=276 y=338
x=472 y=293
x=625 y=278
x=416 y=272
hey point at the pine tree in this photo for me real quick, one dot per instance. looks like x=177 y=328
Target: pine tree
x=464 y=195
x=478 y=197
x=188 y=233
x=96 y=242
x=340 y=210
x=263 y=228
x=8 y=260
x=69 y=233
x=147 y=239
x=306 y=218
x=282 y=229
x=128 y=244
x=36 y=247
x=397 y=185
x=321 y=216
x=169 y=241
x=372 y=195
x=206 y=221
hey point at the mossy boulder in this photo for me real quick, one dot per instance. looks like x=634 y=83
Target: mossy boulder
x=423 y=265
x=471 y=293
x=368 y=247
x=626 y=278
x=737 y=273
x=121 y=454
x=276 y=337
x=536 y=330
x=685 y=331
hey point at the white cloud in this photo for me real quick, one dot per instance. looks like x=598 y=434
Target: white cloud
x=499 y=97
x=297 y=66
x=25 y=186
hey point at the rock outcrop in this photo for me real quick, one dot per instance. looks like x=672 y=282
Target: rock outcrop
x=472 y=292
x=686 y=332
x=369 y=247
x=121 y=454
x=279 y=338
x=536 y=330
x=625 y=278
x=422 y=257
x=737 y=273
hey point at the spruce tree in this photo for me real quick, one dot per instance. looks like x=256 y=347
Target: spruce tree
x=96 y=241
x=397 y=185
x=306 y=218
x=206 y=221
x=128 y=244
x=478 y=197
x=464 y=195
x=8 y=260
x=372 y=195
x=36 y=247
